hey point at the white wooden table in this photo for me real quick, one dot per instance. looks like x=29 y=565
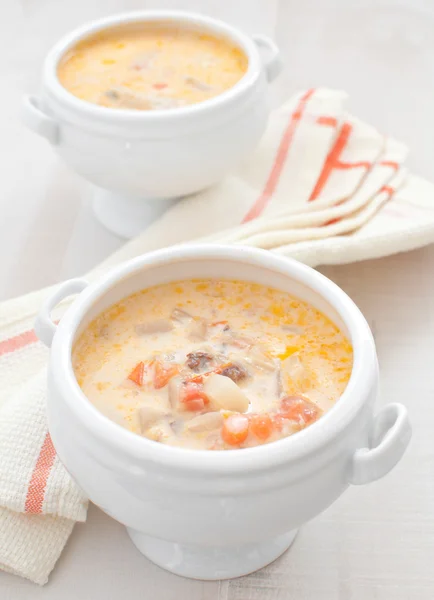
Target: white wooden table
x=376 y=542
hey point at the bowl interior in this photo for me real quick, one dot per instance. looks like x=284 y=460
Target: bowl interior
x=226 y=262
x=210 y=269
x=181 y=19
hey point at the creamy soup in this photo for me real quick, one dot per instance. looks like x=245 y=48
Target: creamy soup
x=151 y=67
x=212 y=364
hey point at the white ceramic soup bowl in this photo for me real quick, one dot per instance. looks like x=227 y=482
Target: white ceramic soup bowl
x=213 y=515
x=136 y=155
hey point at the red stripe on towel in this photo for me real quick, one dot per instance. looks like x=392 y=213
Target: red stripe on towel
x=19 y=341
x=332 y=159
x=355 y=165
x=38 y=481
x=388 y=189
x=279 y=162
x=389 y=163
x=332 y=221
x=327 y=121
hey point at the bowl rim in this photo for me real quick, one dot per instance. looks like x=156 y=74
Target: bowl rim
x=299 y=446
x=115 y=115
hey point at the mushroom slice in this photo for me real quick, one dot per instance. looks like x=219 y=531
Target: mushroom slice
x=174 y=389
x=160 y=432
x=148 y=415
x=198 y=330
x=180 y=316
x=259 y=359
x=206 y=422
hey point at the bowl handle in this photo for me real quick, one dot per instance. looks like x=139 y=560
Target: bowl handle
x=390 y=438
x=273 y=64
x=36 y=119
x=45 y=328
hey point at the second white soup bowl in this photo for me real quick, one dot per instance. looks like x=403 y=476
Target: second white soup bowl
x=137 y=155
x=213 y=515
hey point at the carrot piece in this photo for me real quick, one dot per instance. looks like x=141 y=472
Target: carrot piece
x=278 y=422
x=261 y=426
x=163 y=373
x=159 y=86
x=193 y=396
x=195 y=404
x=196 y=379
x=235 y=429
x=300 y=409
x=137 y=373
x=219 y=323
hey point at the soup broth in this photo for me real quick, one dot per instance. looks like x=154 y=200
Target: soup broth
x=151 y=67
x=212 y=364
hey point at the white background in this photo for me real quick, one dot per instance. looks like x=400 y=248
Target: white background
x=376 y=542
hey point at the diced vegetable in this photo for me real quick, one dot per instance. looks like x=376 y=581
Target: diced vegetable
x=143 y=61
x=159 y=86
x=196 y=378
x=260 y=359
x=295 y=369
x=181 y=316
x=222 y=323
x=148 y=415
x=196 y=361
x=293 y=329
x=112 y=95
x=163 y=373
x=234 y=371
x=261 y=426
x=278 y=421
x=174 y=391
x=300 y=409
x=235 y=429
x=137 y=373
x=205 y=422
x=320 y=399
x=124 y=98
x=239 y=341
x=223 y=393
x=198 y=330
x=160 y=432
x=195 y=404
x=193 y=396
x=158 y=326
x=199 y=85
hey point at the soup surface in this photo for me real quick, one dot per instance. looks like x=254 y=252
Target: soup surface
x=212 y=364
x=151 y=67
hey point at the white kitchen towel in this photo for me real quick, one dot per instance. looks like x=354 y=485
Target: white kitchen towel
x=322 y=187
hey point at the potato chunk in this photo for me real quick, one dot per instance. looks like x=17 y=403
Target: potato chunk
x=223 y=393
x=148 y=415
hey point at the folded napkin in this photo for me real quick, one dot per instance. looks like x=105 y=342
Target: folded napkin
x=322 y=187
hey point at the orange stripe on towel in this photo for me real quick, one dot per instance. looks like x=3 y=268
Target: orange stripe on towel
x=327 y=121
x=389 y=163
x=38 y=481
x=279 y=161
x=332 y=159
x=355 y=165
x=19 y=341
x=388 y=189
